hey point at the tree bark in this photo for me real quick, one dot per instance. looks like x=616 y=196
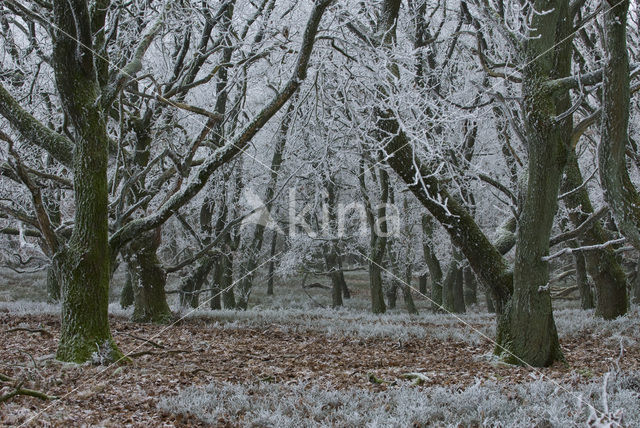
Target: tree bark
x=619 y=191
x=83 y=265
x=53 y=286
x=470 y=287
x=433 y=264
x=582 y=281
x=526 y=330
x=126 y=296
x=607 y=274
x=149 y=281
x=452 y=287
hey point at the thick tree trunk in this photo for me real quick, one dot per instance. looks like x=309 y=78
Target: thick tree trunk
x=149 y=279
x=526 y=330
x=619 y=191
x=83 y=266
x=607 y=274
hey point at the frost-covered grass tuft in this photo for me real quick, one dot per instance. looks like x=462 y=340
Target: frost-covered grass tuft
x=538 y=403
x=26 y=307
x=358 y=323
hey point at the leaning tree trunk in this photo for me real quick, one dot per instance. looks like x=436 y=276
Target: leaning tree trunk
x=527 y=331
x=603 y=267
x=619 y=191
x=83 y=265
x=192 y=284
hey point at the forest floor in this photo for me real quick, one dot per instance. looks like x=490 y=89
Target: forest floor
x=204 y=349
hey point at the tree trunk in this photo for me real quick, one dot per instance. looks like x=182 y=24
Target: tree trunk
x=635 y=285
x=126 y=296
x=375 y=284
x=452 y=289
x=607 y=274
x=619 y=192
x=527 y=331
x=392 y=294
x=433 y=264
x=406 y=292
x=258 y=235
x=226 y=282
x=83 y=266
x=192 y=284
x=345 y=290
x=470 y=287
x=149 y=278
x=272 y=264
x=53 y=286
x=490 y=307
x=582 y=281
x=422 y=285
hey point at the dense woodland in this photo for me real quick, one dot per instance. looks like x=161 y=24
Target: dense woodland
x=476 y=155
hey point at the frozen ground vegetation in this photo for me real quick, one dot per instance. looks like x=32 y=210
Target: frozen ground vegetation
x=540 y=403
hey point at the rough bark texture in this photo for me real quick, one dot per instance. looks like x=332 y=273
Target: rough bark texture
x=619 y=192
x=149 y=281
x=526 y=330
x=607 y=274
x=83 y=266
